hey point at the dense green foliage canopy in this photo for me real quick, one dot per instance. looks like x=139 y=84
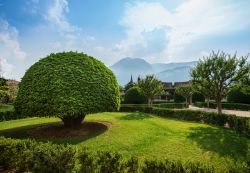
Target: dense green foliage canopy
x=150 y=86
x=184 y=91
x=67 y=85
x=217 y=72
x=3 y=87
x=236 y=95
x=197 y=97
x=134 y=96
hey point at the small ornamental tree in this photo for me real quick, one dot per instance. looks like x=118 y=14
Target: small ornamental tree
x=150 y=87
x=184 y=91
x=135 y=96
x=67 y=85
x=218 y=72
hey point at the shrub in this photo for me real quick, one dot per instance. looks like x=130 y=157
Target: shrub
x=10 y=115
x=171 y=105
x=178 y=98
x=175 y=167
x=235 y=95
x=239 y=124
x=198 y=97
x=162 y=101
x=31 y=156
x=225 y=105
x=50 y=158
x=134 y=96
x=67 y=85
x=134 y=108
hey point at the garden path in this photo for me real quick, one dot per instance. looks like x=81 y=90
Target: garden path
x=235 y=112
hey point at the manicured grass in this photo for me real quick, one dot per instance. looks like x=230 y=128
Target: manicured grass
x=151 y=137
x=6 y=107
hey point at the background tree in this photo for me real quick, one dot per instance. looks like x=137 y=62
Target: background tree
x=67 y=85
x=201 y=81
x=130 y=84
x=184 y=91
x=134 y=96
x=12 y=89
x=150 y=87
x=236 y=95
x=220 y=70
x=3 y=88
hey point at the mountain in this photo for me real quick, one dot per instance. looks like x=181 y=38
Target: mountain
x=171 y=72
x=178 y=74
x=158 y=67
x=126 y=67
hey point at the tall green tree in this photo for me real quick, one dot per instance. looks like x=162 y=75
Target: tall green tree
x=150 y=87
x=201 y=81
x=220 y=71
x=184 y=91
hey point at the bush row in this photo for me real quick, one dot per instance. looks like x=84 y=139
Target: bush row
x=31 y=156
x=239 y=124
x=10 y=115
x=233 y=106
x=171 y=105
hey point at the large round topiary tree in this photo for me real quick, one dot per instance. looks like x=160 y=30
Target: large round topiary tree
x=68 y=85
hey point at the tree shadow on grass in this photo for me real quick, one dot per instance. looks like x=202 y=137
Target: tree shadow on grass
x=224 y=142
x=135 y=116
x=57 y=133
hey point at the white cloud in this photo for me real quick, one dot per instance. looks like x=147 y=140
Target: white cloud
x=5 y=68
x=56 y=16
x=191 y=21
x=9 y=40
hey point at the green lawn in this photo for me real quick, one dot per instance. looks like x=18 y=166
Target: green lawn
x=151 y=137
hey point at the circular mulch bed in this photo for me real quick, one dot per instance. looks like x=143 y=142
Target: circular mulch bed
x=60 y=131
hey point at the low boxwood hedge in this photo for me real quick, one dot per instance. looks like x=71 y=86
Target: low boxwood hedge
x=171 y=105
x=225 y=105
x=10 y=115
x=239 y=124
x=32 y=156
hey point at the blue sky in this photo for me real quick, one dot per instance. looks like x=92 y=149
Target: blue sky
x=159 y=31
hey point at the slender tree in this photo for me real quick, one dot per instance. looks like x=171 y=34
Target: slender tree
x=220 y=71
x=201 y=81
x=150 y=87
x=184 y=91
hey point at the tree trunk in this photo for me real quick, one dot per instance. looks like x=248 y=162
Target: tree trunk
x=186 y=102
x=191 y=100
x=208 y=100
x=73 y=121
x=149 y=102
x=219 y=108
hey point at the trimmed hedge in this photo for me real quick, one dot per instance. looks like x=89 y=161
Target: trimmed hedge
x=238 y=124
x=198 y=97
x=31 y=156
x=10 y=115
x=134 y=96
x=225 y=105
x=236 y=95
x=162 y=101
x=178 y=98
x=171 y=105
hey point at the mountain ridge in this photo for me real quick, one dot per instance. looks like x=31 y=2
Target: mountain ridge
x=166 y=72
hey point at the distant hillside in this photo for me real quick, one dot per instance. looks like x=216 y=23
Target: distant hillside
x=171 y=72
